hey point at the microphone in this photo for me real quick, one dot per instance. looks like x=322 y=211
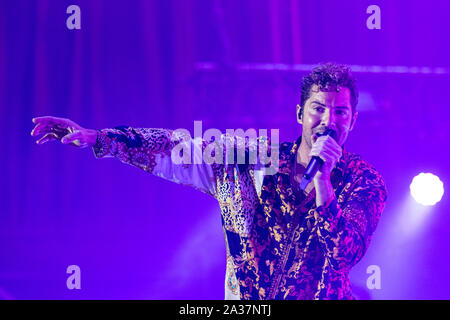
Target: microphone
x=315 y=163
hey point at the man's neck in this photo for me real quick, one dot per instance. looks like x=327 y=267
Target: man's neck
x=303 y=151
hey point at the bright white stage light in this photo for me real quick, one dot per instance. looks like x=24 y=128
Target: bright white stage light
x=427 y=189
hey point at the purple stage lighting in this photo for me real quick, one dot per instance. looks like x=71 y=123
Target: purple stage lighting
x=427 y=189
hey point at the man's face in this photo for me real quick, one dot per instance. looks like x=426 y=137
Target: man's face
x=327 y=110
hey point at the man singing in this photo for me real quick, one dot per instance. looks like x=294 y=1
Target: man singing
x=283 y=241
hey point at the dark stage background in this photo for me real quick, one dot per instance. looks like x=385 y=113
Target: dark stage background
x=231 y=64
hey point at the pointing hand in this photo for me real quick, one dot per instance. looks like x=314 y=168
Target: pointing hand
x=65 y=130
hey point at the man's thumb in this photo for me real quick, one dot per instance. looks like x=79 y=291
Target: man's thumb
x=70 y=137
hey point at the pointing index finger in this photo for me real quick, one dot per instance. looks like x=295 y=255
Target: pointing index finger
x=43 y=118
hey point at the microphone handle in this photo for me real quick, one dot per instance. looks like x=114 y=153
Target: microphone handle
x=313 y=166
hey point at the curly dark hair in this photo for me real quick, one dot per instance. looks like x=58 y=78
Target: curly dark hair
x=329 y=76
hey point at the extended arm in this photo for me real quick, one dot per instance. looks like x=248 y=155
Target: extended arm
x=152 y=149
x=148 y=149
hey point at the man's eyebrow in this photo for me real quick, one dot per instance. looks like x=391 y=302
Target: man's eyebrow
x=342 y=107
x=336 y=107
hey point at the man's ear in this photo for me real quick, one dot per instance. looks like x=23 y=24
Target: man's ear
x=299 y=114
x=352 y=124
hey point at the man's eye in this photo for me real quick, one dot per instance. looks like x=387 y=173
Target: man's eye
x=341 y=112
x=319 y=109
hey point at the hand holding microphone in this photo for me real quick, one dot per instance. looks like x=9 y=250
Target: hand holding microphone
x=325 y=153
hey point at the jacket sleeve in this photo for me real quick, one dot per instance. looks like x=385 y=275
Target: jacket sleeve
x=151 y=150
x=345 y=225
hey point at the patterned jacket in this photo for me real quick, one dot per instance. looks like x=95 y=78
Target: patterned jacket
x=279 y=244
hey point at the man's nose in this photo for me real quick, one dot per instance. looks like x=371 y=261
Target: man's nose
x=328 y=119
